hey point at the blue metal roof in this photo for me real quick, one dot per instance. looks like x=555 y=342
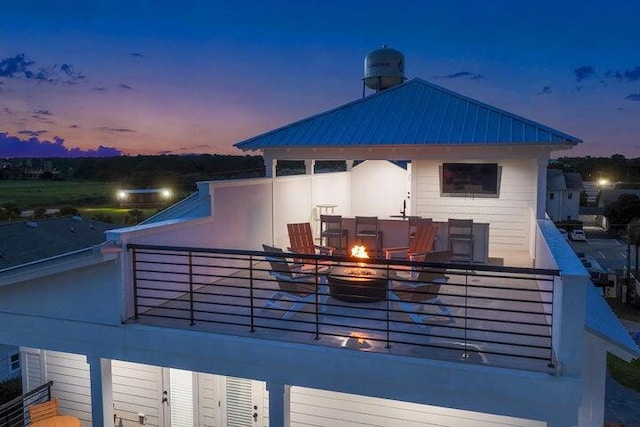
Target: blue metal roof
x=601 y=321
x=413 y=113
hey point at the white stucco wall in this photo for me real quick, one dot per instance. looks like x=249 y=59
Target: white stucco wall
x=378 y=188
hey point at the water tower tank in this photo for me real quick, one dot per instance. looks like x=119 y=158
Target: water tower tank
x=383 y=68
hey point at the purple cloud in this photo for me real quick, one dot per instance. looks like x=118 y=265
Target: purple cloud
x=633 y=97
x=545 y=91
x=32 y=132
x=584 y=72
x=125 y=86
x=19 y=66
x=120 y=130
x=472 y=76
x=13 y=146
x=136 y=54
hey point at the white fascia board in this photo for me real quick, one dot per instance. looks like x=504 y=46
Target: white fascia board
x=54 y=265
x=613 y=347
x=126 y=234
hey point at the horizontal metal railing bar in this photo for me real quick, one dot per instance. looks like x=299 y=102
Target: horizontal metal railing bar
x=247 y=253
x=503 y=299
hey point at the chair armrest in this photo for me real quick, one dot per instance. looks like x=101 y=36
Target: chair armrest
x=325 y=250
x=388 y=251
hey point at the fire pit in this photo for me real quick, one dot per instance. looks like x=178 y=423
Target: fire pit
x=357 y=283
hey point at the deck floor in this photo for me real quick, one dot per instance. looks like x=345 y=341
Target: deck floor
x=493 y=320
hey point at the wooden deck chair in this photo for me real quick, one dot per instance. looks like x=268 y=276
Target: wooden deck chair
x=301 y=240
x=423 y=287
x=297 y=288
x=422 y=243
x=42 y=411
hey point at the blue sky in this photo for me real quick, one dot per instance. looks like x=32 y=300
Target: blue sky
x=149 y=77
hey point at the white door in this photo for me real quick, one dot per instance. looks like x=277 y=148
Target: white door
x=242 y=402
x=177 y=398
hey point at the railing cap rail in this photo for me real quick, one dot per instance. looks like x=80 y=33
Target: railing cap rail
x=377 y=261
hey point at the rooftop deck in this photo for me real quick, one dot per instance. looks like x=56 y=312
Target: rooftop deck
x=491 y=315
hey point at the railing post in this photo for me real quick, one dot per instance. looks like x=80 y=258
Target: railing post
x=191 y=313
x=317 y=302
x=135 y=284
x=251 y=302
x=465 y=355
x=388 y=294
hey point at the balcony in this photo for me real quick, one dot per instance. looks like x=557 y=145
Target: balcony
x=495 y=316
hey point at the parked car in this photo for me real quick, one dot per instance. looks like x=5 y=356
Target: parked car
x=578 y=235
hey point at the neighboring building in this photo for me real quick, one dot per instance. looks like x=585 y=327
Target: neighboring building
x=605 y=199
x=9 y=362
x=25 y=242
x=563 y=195
x=172 y=322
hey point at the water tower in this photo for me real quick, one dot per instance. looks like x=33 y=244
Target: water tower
x=383 y=68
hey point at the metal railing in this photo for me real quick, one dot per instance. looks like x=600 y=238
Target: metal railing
x=15 y=413
x=481 y=313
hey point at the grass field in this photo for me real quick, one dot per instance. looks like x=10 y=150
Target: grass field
x=92 y=199
x=30 y=194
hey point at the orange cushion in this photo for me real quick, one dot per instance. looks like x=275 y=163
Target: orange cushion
x=42 y=411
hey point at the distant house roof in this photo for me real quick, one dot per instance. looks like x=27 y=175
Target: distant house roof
x=573 y=180
x=413 y=113
x=558 y=180
x=28 y=241
x=555 y=180
x=606 y=197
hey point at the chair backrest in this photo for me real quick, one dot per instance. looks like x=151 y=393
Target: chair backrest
x=42 y=411
x=415 y=222
x=281 y=270
x=301 y=238
x=330 y=222
x=429 y=279
x=279 y=265
x=424 y=239
x=461 y=227
x=366 y=224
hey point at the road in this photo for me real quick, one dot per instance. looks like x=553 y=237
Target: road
x=607 y=251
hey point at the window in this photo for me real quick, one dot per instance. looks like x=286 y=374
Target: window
x=570 y=196
x=550 y=196
x=15 y=362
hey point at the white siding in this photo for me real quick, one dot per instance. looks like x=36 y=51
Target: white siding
x=137 y=389
x=71 y=383
x=508 y=215
x=319 y=408
x=33 y=374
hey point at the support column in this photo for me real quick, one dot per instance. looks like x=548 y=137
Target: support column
x=279 y=404
x=269 y=166
x=349 y=165
x=101 y=391
x=541 y=208
x=309 y=167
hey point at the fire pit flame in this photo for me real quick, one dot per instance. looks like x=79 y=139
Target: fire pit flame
x=359 y=251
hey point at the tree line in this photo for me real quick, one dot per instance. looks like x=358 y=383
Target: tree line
x=617 y=169
x=180 y=172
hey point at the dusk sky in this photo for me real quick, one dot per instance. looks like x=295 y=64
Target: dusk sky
x=151 y=77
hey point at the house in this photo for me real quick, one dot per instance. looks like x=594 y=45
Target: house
x=605 y=198
x=27 y=242
x=563 y=195
x=165 y=324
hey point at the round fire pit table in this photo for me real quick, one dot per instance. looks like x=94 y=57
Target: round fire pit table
x=357 y=284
